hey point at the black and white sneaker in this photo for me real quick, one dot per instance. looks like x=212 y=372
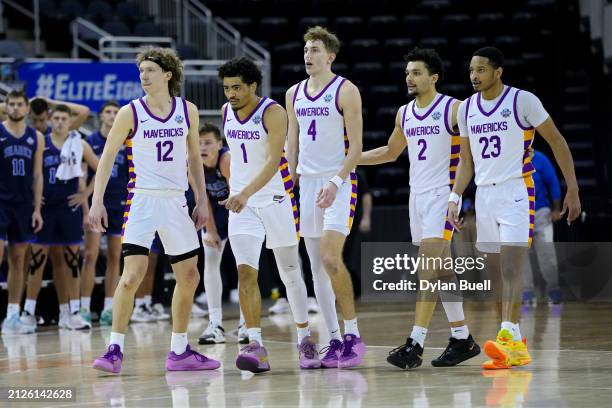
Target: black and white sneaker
x=409 y=355
x=212 y=335
x=457 y=352
x=243 y=335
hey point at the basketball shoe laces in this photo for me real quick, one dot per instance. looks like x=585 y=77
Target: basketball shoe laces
x=309 y=350
x=249 y=347
x=112 y=354
x=348 y=346
x=330 y=351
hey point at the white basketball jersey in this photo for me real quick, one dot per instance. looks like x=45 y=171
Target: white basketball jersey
x=322 y=141
x=499 y=142
x=433 y=146
x=248 y=143
x=157 y=148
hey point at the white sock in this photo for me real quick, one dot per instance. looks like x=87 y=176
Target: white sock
x=108 y=303
x=215 y=316
x=514 y=330
x=255 y=335
x=139 y=302
x=178 y=343
x=302 y=332
x=86 y=303
x=75 y=304
x=350 y=327
x=12 y=309
x=64 y=308
x=516 y=333
x=418 y=334
x=323 y=288
x=241 y=322
x=117 y=338
x=335 y=335
x=30 y=306
x=460 y=332
x=147 y=300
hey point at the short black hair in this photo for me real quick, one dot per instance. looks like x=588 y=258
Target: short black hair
x=16 y=94
x=495 y=56
x=208 y=127
x=39 y=106
x=62 y=108
x=109 y=103
x=430 y=58
x=242 y=67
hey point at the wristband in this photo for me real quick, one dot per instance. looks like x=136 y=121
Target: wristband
x=454 y=198
x=337 y=180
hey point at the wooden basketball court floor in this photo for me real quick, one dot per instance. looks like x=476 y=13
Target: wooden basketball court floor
x=571 y=348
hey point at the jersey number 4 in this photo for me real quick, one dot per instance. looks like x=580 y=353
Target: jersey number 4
x=164 y=150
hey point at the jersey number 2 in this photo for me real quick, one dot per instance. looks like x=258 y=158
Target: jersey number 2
x=161 y=155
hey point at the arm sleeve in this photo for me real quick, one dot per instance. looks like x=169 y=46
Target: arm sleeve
x=531 y=110
x=549 y=175
x=461 y=123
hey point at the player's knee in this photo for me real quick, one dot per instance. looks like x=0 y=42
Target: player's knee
x=291 y=276
x=247 y=275
x=89 y=258
x=130 y=280
x=331 y=262
x=189 y=278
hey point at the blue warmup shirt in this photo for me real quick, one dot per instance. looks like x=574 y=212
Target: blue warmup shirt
x=116 y=189
x=546 y=181
x=55 y=191
x=17 y=166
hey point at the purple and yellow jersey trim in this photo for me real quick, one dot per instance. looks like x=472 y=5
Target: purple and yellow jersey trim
x=528 y=135
x=131 y=169
x=353 y=199
x=529 y=183
x=283 y=167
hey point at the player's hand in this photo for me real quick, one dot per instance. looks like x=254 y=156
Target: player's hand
x=200 y=215
x=235 y=203
x=212 y=239
x=555 y=215
x=571 y=205
x=365 y=225
x=296 y=179
x=98 y=218
x=37 y=221
x=453 y=216
x=327 y=195
x=77 y=199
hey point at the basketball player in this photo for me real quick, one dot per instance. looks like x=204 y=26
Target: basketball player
x=427 y=127
x=21 y=186
x=497 y=126
x=3 y=112
x=63 y=222
x=114 y=201
x=262 y=206
x=216 y=159
x=40 y=111
x=324 y=146
x=160 y=131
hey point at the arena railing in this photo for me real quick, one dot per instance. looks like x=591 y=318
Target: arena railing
x=33 y=14
x=122 y=48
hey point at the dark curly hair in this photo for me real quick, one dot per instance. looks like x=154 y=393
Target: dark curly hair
x=430 y=58
x=242 y=67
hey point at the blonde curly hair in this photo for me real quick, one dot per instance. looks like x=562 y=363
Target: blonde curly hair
x=169 y=61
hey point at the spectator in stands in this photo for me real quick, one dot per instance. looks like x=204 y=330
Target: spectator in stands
x=547 y=211
x=40 y=108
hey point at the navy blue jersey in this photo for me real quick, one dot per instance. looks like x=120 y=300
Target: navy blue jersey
x=17 y=166
x=190 y=197
x=116 y=189
x=216 y=185
x=55 y=191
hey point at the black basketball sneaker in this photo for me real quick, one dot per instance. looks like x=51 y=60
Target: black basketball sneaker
x=456 y=352
x=409 y=355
